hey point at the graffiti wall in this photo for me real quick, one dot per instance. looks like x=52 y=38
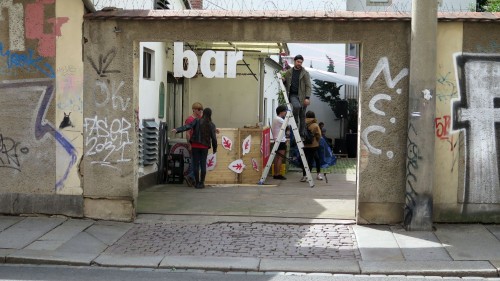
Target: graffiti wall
x=68 y=125
x=109 y=125
x=467 y=184
x=382 y=134
x=38 y=158
x=475 y=114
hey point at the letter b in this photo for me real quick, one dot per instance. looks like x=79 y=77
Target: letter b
x=179 y=55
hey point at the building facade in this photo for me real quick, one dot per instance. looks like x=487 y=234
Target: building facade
x=68 y=127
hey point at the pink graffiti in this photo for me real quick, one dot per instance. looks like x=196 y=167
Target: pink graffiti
x=34 y=22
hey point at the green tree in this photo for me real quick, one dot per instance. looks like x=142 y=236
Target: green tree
x=281 y=98
x=352 y=116
x=493 y=6
x=328 y=91
x=488 y=6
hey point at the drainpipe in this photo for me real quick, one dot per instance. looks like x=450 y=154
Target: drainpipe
x=88 y=4
x=421 y=113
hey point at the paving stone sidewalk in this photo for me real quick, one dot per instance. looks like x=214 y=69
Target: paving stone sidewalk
x=250 y=244
x=256 y=240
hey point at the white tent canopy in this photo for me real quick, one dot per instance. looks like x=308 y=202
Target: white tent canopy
x=332 y=77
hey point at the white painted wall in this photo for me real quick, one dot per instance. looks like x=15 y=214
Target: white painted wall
x=271 y=89
x=149 y=89
x=405 y=5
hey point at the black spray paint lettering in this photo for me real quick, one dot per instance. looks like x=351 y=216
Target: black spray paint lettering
x=103 y=63
x=66 y=122
x=103 y=92
x=107 y=138
x=413 y=156
x=8 y=153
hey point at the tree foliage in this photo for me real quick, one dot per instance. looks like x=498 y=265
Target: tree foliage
x=328 y=92
x=488 y=6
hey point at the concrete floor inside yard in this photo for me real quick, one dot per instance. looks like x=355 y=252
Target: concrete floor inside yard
x=278 y=198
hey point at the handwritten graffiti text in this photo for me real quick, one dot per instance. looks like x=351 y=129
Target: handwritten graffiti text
x=107 y=138
x=103 y=93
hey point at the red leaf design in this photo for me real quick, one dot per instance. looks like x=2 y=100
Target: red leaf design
x=246 y=145
x=226 y=143
x=254 y=164
x=210 y=162
x=238 y=166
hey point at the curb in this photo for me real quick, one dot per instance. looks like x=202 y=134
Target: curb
x=211 y=263
x=26 y=256
x=310 y=266
x=430 y=268
x=256 y=265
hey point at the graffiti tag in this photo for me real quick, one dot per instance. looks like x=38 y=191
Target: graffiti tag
x=381 y=68
x=108 y=139
x=443 y=125
x=446 y=87
x=103 y=93
x=102 y=65
x=413 y=156
x=8 y=153
x=27 y=61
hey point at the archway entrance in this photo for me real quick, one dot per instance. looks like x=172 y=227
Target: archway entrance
x=377 y=186
x=334 y=71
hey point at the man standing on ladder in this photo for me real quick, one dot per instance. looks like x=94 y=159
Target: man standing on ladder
x=282 y=131
x=298 y=87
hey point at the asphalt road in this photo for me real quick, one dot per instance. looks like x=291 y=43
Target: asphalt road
x=32 y=273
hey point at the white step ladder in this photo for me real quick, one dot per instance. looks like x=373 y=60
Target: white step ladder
x=289 y=118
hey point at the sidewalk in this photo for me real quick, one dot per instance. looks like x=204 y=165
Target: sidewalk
x=252 y=244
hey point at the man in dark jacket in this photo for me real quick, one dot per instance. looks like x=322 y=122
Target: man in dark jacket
x=298 y=88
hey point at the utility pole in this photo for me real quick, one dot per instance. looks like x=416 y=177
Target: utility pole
x=421 y=114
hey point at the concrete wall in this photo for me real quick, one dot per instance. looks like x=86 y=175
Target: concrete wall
x=471 y=142
x=111 y=71
x=380 y=198
x=383 y=103
x=40 y=163
x=38 y=157
x=447 y=147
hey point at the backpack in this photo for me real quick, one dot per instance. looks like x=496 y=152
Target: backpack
x=308 y=136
